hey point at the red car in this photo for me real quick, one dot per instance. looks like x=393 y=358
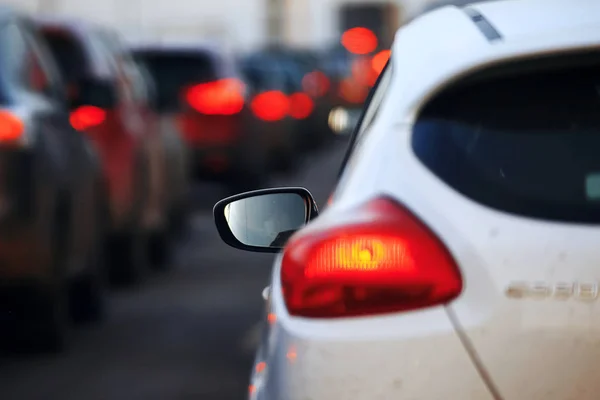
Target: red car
x=120 y=125
x=204 y=97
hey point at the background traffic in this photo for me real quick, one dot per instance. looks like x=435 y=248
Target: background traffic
x=110 y=142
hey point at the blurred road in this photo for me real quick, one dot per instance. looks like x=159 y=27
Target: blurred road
x=184 y=334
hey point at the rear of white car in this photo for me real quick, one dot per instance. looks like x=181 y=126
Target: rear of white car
x=459 y=257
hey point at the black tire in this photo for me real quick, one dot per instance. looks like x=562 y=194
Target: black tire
x=127 y=256
x=159 y=250
x=178 y=222
x=128 y=250
x=88 y=292
x=43 y=324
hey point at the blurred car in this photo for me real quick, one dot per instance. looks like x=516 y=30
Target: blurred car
x=201 y=93
x=307 y=88
x=167 y=180
x=346 y=96
x=116 y=119
x=176 y=161
x=461 y=244
x=270 y=104
x=52 y=209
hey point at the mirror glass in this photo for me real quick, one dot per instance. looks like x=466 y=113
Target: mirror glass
x=266 y=220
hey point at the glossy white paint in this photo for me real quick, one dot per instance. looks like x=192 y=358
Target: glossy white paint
x=485 y=344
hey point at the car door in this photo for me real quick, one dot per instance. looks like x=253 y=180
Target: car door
x=44 y=169
x=123 y=153
x=78 y=160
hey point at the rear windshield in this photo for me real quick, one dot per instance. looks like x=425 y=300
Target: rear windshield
x=263 y=73
x=526 y=143
x=174 y=71
x=68 y=53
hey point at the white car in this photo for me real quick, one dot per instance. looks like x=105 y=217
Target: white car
x=460 y=256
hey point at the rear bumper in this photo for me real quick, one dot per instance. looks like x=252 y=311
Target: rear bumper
x=303 y=366
x=416 y=355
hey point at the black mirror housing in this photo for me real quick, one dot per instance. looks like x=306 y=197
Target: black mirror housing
x=96 y=92
x=262 y=220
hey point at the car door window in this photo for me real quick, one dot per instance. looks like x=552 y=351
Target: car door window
x=130 y=68
x=22 y=69
x=28 y=68
x=49 y=80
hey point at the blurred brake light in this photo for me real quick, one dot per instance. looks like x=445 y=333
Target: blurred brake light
x=222 y=97
x=316 y=83
x=11 y=127
x=382 y=259
x=359 y=40
x=379 y=60
x=270 y=106
x=363 y=72
x=353 y=91
x=86 y=117
x=301 y=106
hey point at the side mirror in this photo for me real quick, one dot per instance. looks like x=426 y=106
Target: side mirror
x=96 y=92
x=263 y=220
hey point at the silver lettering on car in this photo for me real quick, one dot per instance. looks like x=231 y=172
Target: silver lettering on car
x=586 y=291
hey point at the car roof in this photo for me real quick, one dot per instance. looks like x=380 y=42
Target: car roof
x=76 y=26
x=201 y=46
x=440 y=46
x=222 y=58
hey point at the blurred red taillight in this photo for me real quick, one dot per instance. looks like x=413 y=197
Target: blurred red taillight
x=359 y=40
x=11 y=127
x=222 y=97
x=301 y=106
x=353 y=91
x=381 y=260
x=316 y=83
x=270 y=106
x=86 y=117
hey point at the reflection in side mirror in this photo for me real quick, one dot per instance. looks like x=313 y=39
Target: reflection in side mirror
x=263 y=220
x=267 y=220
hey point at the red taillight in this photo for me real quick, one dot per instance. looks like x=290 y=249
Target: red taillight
x=316 y=83
x=353 y=91
x=270 y=106
x=86 y=117
x=11 y=127
x=301 y=106
x=359 y=40
x=223 y=97
x=382 y=260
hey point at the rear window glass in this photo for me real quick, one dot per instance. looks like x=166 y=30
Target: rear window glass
x=68 y=53
x=174 y=71
x=526 y=143
x=263 y=74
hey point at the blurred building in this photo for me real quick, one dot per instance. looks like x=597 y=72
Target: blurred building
x=239 y=23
